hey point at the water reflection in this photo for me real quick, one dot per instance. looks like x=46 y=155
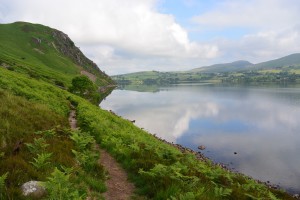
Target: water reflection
x=260 y=124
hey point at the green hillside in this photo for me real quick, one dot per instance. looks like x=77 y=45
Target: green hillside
x=288 y=62
x=37 y=142
x=240 y=65
x=44 y=53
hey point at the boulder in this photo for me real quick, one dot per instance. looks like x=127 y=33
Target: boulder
x=201 y=147
x=33 y=189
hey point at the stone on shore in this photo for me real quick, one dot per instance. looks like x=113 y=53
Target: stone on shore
x=33 y=189
x=201 y=147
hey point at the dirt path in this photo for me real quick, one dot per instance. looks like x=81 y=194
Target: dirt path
x=118 y=186
x=72 y=119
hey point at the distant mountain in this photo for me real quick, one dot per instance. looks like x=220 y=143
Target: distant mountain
x=292 y=60
x=226 y=67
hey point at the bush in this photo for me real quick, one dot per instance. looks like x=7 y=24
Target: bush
x=84 y=87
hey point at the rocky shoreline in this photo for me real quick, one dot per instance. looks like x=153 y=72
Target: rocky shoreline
x=200 y=156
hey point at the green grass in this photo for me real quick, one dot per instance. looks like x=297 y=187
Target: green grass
x=19 y=49
x=36 y=113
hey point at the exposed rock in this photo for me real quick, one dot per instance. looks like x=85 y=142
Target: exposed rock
x=296 y=196
x=37 y=41
x=33 y=189
x=92 y=77
x=201 y=147
x=66 y=46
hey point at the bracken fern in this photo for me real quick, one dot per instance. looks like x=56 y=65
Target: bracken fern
x=2 y=185
x=42 y=160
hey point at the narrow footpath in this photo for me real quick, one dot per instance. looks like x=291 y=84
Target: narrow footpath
x=118 y=186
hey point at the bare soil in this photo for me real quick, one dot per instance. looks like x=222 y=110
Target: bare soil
x=72 y=119
x=118 y=186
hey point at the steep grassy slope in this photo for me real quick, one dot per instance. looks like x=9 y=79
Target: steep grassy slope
x=37 y=65
x=44 y=53
x=37 y=144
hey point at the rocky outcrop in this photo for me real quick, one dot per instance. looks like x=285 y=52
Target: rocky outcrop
x=33 y=189
x=67 y=47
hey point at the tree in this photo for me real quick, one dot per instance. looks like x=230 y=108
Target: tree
x=84 y=87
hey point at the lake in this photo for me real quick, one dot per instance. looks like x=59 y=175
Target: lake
x=254 y=130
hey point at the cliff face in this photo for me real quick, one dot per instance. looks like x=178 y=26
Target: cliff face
x=67 y=47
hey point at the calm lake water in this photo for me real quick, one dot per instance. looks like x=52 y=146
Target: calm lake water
x=261 y=124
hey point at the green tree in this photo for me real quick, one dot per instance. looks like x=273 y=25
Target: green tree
x=84 y=87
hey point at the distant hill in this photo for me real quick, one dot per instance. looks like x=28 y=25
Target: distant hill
x=226 y=67
x=242 y=70
x=292 y=60
x=44 y=53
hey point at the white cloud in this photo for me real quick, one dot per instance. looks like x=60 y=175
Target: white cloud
x=271 y=26
x=132 y=26
x=262 y=46
x=266 y=14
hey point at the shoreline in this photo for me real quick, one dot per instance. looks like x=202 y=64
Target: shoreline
x=201 y=157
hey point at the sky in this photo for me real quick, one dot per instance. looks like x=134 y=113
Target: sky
x=167 y=35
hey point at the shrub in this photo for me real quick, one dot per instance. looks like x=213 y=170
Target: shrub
x=84 y=87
